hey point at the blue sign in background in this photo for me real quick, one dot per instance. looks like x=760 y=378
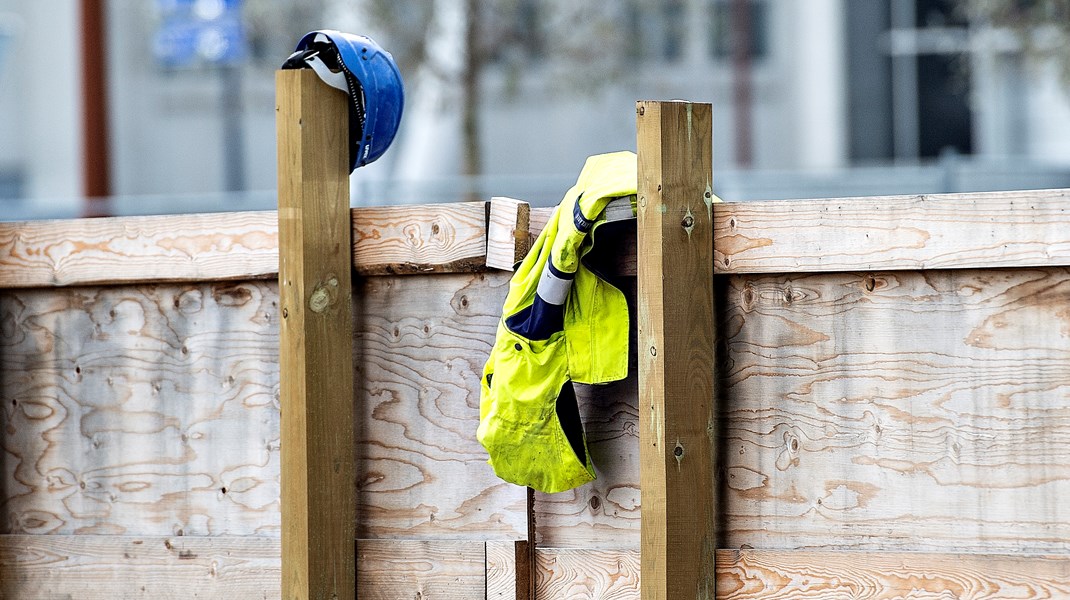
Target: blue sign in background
x=195 y=32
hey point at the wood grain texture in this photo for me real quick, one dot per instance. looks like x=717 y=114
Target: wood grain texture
x=96 y=567
x=422 y=344
x=507 y=232
x=129 y=409
x=99 y=567
x=202 y=247
x=776 y=575
x=586 y=574
x=782 y=575
x=974 y=230
x=675 y=349
x=440 y=238
x=145 y=410
x=914 y=411
x=315 y=339
x=447 y=569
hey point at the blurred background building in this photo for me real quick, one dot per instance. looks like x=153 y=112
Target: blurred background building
x=168 y=105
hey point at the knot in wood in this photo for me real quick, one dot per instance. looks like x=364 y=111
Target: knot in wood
x=324 y=295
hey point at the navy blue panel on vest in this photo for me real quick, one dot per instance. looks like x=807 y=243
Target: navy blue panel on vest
x=538 y=321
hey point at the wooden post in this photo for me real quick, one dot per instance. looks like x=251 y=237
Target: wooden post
x=316 y=340
x=676 y=402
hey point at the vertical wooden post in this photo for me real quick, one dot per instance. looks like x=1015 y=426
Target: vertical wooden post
x=316 y=340
x=676 y=337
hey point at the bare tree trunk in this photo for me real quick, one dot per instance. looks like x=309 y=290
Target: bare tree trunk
x=741 y=80
x=470 y=92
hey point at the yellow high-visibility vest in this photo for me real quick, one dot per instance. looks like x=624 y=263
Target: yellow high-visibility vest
x=561 y=323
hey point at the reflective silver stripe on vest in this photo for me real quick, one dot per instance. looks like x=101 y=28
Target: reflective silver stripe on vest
x=620 y=209
x=552 y=288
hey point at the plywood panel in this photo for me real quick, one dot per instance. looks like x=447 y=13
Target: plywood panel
x=782 y=575
x=974 y=230
x=220 y=246
x=131 y=409
x=147 y=410
x=446 y=238
x=897 y=411
x=422 y=343
x=392 y=569
x=99 y=567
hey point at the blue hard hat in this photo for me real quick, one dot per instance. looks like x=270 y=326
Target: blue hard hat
x=361 y=68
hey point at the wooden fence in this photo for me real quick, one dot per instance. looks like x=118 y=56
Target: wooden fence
x=888 y=413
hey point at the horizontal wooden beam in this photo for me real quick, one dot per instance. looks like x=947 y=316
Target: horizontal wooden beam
x=945 y=231
x=198 y=247
x=93 y=567
x=994 y=229
x=761 y=574
x=164 y=567
x=948 y=231
x=442 y=238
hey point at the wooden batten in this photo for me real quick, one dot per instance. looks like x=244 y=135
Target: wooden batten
x=507 y=232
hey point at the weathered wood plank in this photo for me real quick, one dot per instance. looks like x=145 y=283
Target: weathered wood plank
x=768 y=574
x=93 y=567
x=315 y=339
x=99 y=567
x=586 y=574
x=442 y=238
x=897 y=411
x=974 y=230
x=675 y=349
x=781 y=574
x=201 y=247
x=147 y=410
x=391 y=569
x=422 y=343
x=507 y=232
